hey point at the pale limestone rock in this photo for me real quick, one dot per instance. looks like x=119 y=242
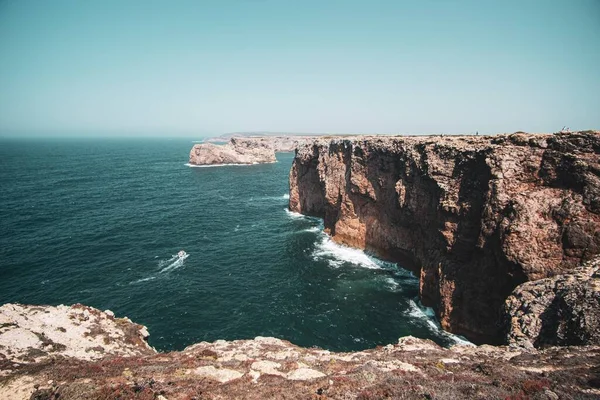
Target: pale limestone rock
x=237 y=151
x=304 y=374
x=222 y=374
x=33 y=333
x=267 y=367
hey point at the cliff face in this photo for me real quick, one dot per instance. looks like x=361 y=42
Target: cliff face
x=237 y=151
x=473 y=216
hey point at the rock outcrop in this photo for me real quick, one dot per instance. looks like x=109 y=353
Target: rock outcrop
x=473 y=216
x=270 y=368
x=32 y=334
x=237 y=151
x=563 y=310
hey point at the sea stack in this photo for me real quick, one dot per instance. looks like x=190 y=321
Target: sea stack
x=238 y=151
x=472 y=216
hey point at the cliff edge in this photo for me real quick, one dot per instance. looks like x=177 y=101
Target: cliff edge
x=473 y=216
x=280 y=143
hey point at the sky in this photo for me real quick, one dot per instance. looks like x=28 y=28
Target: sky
x=190 y=68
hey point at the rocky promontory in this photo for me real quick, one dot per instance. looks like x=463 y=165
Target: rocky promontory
x=472 y=216
x=237 y=151
x=73 y=367
x=563 y=310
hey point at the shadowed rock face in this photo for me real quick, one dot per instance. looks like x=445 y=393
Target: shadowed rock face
x=473 y=216
x=563 y=310
x=237 y=151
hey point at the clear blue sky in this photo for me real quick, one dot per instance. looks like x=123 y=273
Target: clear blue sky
x=185 y=68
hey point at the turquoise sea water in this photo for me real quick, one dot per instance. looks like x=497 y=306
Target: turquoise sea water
x=97 y=222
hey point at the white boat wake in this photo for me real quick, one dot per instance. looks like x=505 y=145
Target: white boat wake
x=174 y=262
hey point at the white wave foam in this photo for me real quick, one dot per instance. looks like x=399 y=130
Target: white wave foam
x=336 y=255
x=143 y=280
x=268 y=198
x=294 y=215
x=427 y=315
x=392 y=284
x=313 y=229
x=226 y=165
x=286 y=196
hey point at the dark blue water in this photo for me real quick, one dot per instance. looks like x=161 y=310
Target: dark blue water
x=97 y=222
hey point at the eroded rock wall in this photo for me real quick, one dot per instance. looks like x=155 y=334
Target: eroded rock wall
x=473 y=216
x=563 y=310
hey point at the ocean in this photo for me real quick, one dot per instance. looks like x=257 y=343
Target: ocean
x=98 y=222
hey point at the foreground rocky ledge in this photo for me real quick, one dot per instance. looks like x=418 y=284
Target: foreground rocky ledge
x=237 y=151
x=474 y=217
x=268 y=368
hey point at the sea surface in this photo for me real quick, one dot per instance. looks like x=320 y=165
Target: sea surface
x=98 y=222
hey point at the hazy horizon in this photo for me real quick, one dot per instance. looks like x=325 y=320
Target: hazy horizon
x=196 y=69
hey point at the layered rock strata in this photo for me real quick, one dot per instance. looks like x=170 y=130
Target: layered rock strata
x=270 y=368
x=563 y=310
x=237 y=151
x=473 y=216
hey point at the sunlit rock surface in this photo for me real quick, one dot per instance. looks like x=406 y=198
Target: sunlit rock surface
x=31 y=334
x=237 y=151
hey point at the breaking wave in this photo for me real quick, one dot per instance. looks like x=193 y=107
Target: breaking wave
x=427 y=316
x=295 y=215
x=337 y=255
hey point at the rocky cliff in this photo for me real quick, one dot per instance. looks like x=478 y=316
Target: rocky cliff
x=266 y=368
x=473 y=216
x=563 y=310
x=237 y=151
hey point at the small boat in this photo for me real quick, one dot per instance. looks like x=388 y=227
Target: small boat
x=182 y=254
